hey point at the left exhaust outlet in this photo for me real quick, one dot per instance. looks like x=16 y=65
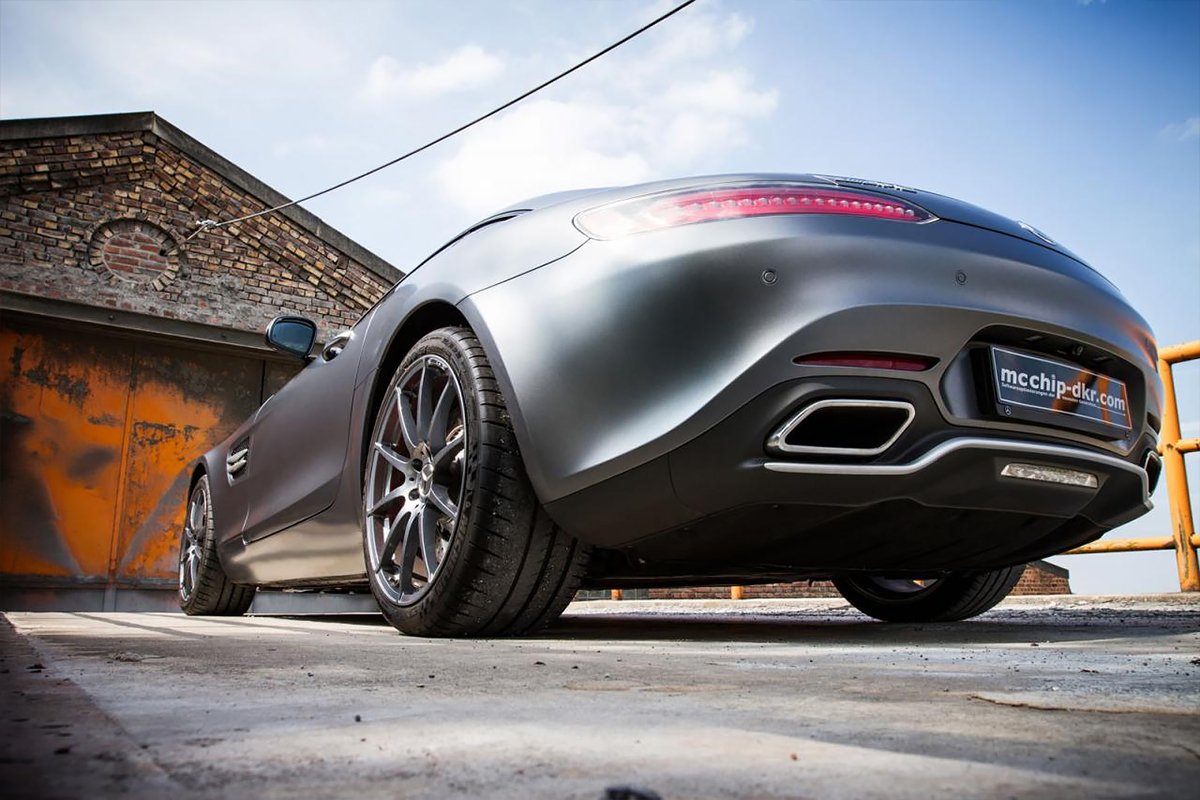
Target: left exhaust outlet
x=843 y=427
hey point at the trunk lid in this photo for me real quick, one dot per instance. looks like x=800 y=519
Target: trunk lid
x=948 y=208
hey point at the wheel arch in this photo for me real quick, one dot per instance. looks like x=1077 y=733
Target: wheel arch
x=199 y=470
x=424 y=319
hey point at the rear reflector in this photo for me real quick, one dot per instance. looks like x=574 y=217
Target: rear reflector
x=736 y=201
x=867 y=361
x=1067 y=477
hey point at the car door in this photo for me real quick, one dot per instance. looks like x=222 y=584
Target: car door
x=298 y=442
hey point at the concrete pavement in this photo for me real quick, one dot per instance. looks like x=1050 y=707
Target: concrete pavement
x=1063 y=697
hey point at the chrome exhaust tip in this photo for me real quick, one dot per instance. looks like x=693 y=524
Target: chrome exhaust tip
x=843 y=427
x=1152 y=465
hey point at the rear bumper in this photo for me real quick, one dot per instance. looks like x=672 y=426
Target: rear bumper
x=934 y=499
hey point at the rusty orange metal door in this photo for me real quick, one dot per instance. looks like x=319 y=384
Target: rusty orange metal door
x=96 y=436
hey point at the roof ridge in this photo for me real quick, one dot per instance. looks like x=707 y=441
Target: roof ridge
x=151 y=122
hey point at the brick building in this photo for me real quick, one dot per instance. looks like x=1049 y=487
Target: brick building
x=118 y=365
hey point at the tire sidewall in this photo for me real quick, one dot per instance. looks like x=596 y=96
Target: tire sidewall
x=955 y=597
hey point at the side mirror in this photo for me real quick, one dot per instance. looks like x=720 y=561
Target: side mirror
x=292 y=335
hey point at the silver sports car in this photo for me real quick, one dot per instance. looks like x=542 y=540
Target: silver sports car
x=722 y=380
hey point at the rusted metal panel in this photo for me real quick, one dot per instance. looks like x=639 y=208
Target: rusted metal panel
x=62 y=408
x=97 y=434
x=184 y=402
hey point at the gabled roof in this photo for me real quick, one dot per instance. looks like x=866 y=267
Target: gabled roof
x=54 y=127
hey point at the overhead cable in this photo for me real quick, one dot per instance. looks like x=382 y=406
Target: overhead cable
x=210 y=224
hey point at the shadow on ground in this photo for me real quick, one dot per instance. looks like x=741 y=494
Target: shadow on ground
x=843 y=627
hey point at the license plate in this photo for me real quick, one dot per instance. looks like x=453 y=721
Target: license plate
x=1043 y=389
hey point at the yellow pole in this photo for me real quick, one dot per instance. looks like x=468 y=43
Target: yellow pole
x=1124 y=546
x=736 y=592
x=1182 y=528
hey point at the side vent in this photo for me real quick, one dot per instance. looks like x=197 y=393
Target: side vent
x=235 y=462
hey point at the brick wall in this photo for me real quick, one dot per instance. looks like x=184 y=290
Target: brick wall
x=1043 y=578
x=1039 y=578
x=82 y=218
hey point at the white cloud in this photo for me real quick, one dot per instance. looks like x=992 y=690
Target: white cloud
x=729 y=93
x=1181 y=131
x=698 y=36
x=629 y=119
x=196 y=56
x=543 y=146
x=468 y=67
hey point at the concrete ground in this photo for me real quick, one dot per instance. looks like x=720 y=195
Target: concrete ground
x=1064 y=697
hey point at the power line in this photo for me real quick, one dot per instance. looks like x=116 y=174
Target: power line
x=209 y=224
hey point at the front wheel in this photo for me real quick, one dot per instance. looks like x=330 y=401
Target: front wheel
x=456 y=542
x=950 y=598
x=204 y=590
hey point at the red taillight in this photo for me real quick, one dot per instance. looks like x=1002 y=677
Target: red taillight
x=867 y=361
x=738 y=200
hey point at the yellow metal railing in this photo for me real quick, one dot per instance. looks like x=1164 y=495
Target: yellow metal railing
x=1172 y=446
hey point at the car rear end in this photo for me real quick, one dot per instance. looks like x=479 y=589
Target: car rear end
x=889 y=380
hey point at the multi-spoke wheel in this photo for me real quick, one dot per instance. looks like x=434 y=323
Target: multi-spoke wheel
x=415 y=480
x=947 y=598
x=203 y=587
x=191 y=549
x=455 y=540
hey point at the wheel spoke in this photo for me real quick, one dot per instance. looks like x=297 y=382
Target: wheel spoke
x=392 y=533
x=387 y=500
x=440 y=496
x=391 y=456
x=408 y=553
x=194 y=569
x=451 y=447
x=429 y=537
x=440 y=420
x=424 y=403
x=196 y=513
x=408 y=425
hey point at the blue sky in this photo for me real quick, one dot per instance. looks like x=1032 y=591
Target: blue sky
x=1082 y=118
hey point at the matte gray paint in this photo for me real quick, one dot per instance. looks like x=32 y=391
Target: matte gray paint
x=612 y=354
x=698 y=333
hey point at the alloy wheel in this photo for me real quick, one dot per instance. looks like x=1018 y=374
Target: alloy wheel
x=416 y=479
x=191 y=548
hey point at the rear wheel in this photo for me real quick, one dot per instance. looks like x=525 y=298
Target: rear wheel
x=203 y=587
x=456 y=542
x=954 y=597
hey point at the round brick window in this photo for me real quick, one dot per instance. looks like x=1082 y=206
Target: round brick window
x=130 y=251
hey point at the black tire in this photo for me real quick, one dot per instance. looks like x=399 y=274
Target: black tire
x=204 y=590
x=504 y=568
x=954 y=597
